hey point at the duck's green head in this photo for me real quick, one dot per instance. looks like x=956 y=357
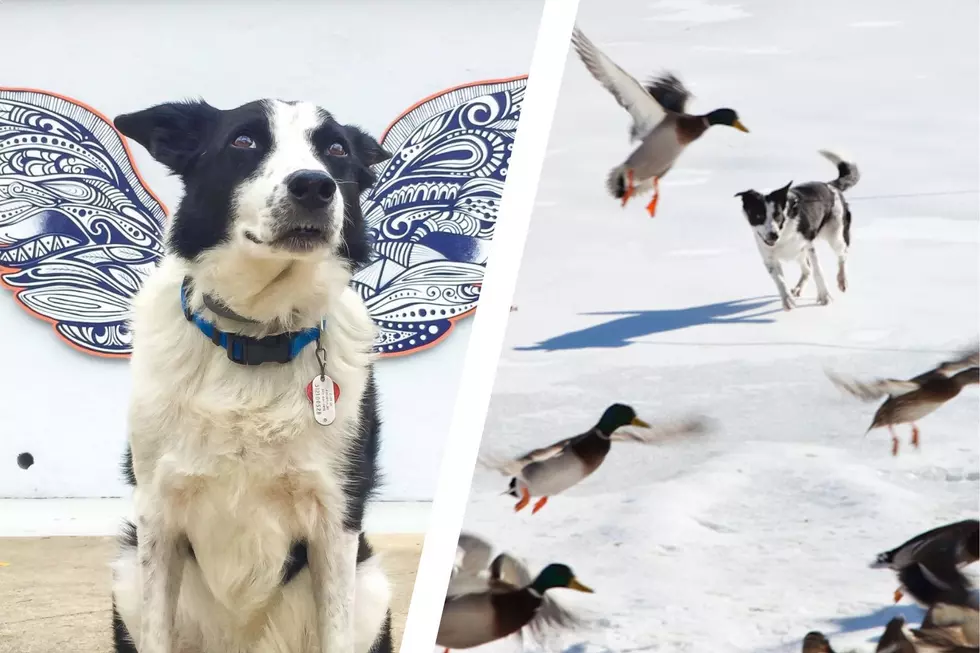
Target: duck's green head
x=619 y=415
x=726 y=117
x=557 y=576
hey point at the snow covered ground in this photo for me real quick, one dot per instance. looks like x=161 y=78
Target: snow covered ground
x=746 y=539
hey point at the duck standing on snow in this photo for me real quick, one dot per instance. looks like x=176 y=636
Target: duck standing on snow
x=488 y=601
x=911 y=400
x=660 y=122
x=929 y=564
x=553 y=469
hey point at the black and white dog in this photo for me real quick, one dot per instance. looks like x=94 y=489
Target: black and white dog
x=253 y=428
x=789 y=220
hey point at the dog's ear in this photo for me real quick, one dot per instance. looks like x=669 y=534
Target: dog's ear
x=780 y=194
x=368 y=150
x=750 y=198
x=172 y=133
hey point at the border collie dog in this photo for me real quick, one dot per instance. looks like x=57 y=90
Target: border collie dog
x=788 y=221
x=253 y=427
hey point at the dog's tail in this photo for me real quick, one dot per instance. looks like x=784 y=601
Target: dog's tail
x=847 y=171
x=616 y=182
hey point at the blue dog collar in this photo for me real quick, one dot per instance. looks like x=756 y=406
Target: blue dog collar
x=245 y=350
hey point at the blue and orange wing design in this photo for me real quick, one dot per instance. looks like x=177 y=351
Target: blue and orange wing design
x=433 y=211
x=79 y=230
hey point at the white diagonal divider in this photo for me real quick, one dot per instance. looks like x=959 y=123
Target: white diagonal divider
x=490 y=322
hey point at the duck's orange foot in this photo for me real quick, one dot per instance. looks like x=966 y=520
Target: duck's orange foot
x=652 y=206
x=525 y=499
x=899 y=594
x=894 y=446
x=915 y=436
x=629 y=189
x=539 y=505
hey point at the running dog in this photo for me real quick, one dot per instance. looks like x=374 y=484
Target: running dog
x=788 y=221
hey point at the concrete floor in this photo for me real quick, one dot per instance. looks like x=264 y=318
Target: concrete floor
x=54 y=591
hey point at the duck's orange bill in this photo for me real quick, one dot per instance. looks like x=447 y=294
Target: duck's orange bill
x=575 y=585
x=739 y=126
x=639 y=422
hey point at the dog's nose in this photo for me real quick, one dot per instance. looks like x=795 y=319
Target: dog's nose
x=311 y=189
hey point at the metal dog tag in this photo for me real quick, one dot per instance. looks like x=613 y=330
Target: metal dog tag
x=322 y=394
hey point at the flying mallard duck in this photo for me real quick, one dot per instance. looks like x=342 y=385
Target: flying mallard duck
x=936 y=639
x=660 y=122
x=910 y=401
x=929 y=564
x=488 y=600
x=553 y=469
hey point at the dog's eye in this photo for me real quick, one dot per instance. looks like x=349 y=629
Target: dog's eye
x=336 y=149
x=244 y=142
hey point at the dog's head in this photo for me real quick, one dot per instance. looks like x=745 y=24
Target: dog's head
x=768 y=213
x=269 y=179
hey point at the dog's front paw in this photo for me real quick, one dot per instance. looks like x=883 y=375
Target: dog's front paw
x=796 y=292
x=842 y=282
x=823 y=299
x=788 y=303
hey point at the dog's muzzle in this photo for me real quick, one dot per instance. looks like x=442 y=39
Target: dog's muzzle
x=311 y=189
x=305 y=222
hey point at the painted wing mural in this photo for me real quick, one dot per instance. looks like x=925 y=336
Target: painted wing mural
x=432 y=213
x=80 y=230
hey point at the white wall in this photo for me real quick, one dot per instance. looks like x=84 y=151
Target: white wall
x=366 y=62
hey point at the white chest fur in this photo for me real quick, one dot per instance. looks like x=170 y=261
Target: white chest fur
x=231 y=455
x=789 y=246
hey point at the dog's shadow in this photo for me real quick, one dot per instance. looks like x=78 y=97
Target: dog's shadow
x=630 y=325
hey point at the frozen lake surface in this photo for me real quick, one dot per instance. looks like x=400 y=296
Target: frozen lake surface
x=746 y=539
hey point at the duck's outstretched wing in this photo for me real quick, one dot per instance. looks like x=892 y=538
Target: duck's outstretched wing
x=963 y=359
x=508 y=572
x=470 y=571
x=937 y=580
x=473 y=554
x=695 y=425
x=550 y=618
x=631 y=95
x=669 y=92
x=513 y=466
x=79 y=230
x=938 y=541
x=872 y=390
x=433 y=212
